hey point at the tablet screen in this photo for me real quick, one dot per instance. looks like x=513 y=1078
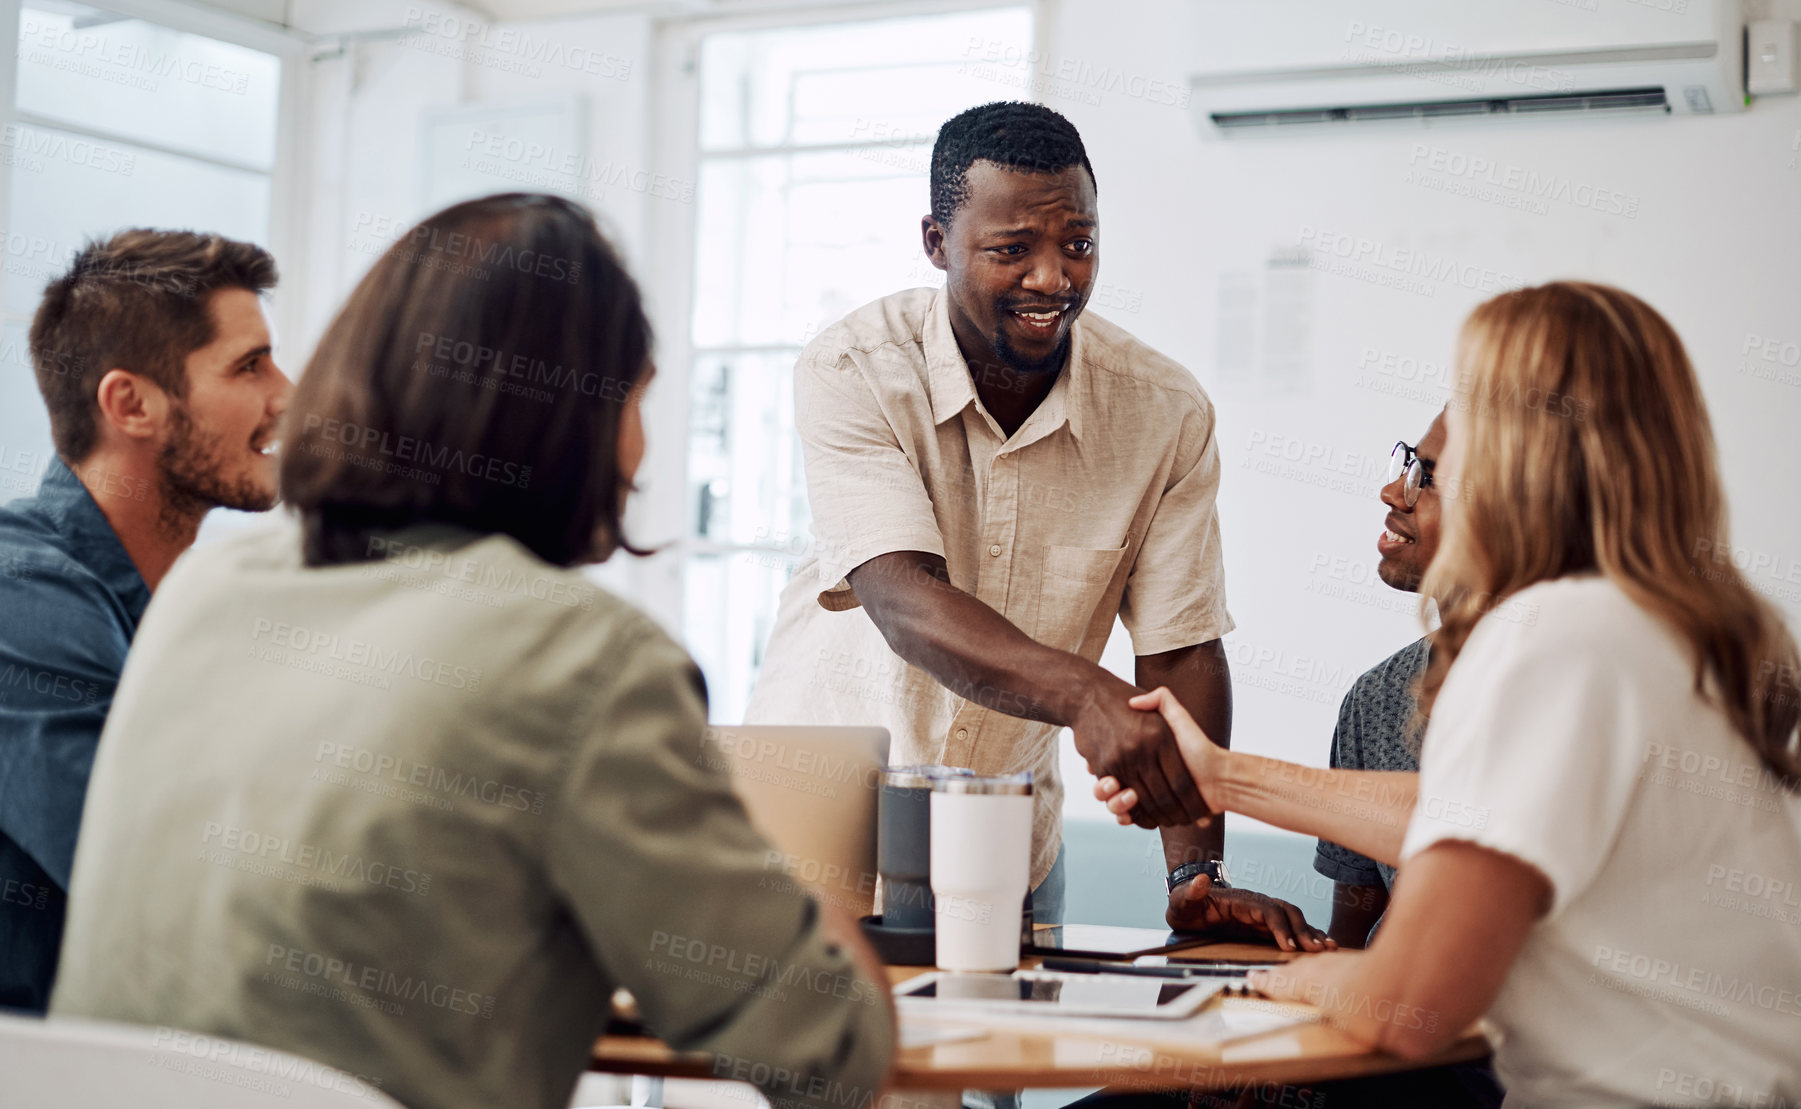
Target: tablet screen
x=1103 y=940
x=1085 y=991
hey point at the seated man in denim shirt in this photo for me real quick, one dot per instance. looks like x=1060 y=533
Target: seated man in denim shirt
x=154 y=359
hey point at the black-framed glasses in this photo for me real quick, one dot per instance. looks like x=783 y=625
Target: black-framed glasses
x=1405 y=461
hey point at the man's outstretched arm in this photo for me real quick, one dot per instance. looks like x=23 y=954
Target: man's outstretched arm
x=981 y=656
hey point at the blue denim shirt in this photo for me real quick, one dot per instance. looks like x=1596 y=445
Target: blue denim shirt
x=70 y=602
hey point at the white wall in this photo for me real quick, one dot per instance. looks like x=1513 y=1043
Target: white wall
x=1715 y=244
x=367 y=169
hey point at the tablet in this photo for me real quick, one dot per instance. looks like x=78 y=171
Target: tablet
x=1105 y=941
x=1050 y=993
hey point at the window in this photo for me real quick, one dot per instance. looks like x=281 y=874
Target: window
x=118 y=123
x=814 y=144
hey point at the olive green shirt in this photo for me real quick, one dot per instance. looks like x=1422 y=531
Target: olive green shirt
x=417 y=818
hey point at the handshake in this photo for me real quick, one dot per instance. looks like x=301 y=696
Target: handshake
x=1154 y=766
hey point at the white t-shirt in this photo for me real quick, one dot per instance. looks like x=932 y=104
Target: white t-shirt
x=1668 y=969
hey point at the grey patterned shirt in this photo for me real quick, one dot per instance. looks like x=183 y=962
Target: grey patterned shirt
x=1372 y=735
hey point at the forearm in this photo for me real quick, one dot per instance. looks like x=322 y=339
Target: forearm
x=971 y=649
x=1363 y=998
x=1201 y=679
x=1363 y=810
x=1193 y=843
x=1355 y=911
x=1453 y=932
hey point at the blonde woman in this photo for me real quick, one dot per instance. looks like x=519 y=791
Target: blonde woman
x=1601 y=852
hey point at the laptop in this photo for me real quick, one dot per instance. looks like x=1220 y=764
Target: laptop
x=812 y=792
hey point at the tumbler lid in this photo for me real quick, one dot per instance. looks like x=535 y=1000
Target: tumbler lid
x=921 y=776
x=1019 y=784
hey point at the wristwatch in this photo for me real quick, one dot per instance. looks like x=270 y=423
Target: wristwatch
x=1213 y=868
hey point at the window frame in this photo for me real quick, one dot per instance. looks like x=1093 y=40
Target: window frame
x=286 y=209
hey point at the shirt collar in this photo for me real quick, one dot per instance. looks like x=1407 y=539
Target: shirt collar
x=952 y=389
x=70 y=509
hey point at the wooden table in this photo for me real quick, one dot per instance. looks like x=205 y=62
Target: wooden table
x=1012 y=1058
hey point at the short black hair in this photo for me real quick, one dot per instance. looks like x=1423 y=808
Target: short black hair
x=1011 y=133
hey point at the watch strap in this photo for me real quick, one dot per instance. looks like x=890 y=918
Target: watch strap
x=1187 y=872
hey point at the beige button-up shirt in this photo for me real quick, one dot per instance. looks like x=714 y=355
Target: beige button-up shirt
x=1101 y=503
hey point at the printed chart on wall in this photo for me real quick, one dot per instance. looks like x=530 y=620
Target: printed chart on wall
x=1264 y=337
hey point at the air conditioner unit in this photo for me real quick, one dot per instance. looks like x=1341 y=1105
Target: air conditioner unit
x=1266 y=64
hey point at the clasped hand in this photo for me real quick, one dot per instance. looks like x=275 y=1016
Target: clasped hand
x=1127 y=742
x=1197 y=905
x=1161 y=774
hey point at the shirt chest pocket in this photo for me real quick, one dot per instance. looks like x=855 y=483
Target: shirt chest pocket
x=1072 y=586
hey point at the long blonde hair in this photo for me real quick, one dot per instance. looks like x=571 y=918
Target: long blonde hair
x=1588 y=449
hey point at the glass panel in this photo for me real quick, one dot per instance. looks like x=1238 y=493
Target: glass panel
x=788 y=244
x=24 y=424
x=745 y=482
x=94 y=69
x=728 y=615
x=67 y=195
x=842 y=83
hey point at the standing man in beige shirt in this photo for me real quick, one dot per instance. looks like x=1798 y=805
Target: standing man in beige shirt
x=993 y=476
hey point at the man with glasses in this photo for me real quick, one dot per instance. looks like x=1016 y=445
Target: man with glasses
x=1376 y=732
x=1373 y=730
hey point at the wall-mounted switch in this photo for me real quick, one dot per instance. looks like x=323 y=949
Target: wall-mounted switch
x=1771 y=53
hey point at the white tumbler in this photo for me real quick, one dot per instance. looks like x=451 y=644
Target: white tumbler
x=981 y=869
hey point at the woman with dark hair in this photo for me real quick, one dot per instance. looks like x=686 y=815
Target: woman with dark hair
x=492 y=361
x=393 y=786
